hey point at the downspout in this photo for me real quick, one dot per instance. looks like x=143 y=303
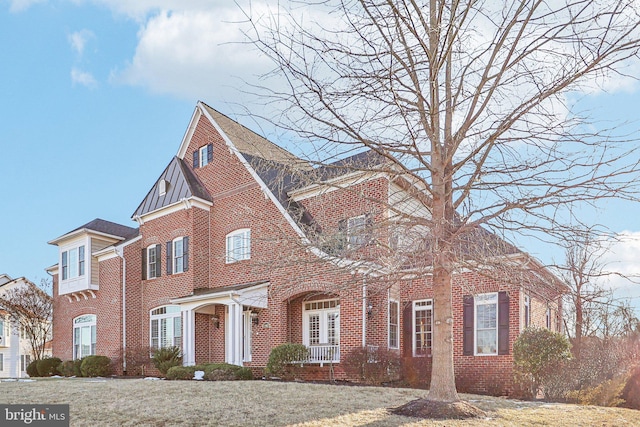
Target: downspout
x=364 y=312
x=124 y=311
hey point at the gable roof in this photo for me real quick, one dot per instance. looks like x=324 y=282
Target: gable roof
x=181 y=183
x=101 y=226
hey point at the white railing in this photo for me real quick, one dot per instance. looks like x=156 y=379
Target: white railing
x=324 y=354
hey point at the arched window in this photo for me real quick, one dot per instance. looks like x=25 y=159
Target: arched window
x=238 y=245
x=84 y=336
x=166 y=327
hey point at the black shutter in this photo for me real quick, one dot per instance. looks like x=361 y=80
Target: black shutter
x=185 y=252
x=341 y=241
x=503 y=323
x=169 y=260
x=467 y=325
x=196 y=159
x=144 y=263
x=407 y=330
x=368 y=228
x=158 y=260
x=209 y=153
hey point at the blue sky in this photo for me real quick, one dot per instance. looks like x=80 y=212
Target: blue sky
x=95 y=96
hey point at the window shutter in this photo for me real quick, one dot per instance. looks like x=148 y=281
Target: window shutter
x=467 y=325
x=209 y=153
x=185 y=252
x=169 y=259
x=503 y=323
x=158 y=260
x=144 y=263
x=196 y=159
x=407 y=329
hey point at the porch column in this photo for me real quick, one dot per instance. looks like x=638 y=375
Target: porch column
x=188 y=338
x=234 y=334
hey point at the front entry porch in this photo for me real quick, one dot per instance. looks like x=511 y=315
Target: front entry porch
x=240 y=303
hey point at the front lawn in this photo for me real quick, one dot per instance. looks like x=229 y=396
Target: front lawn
x=137 y=402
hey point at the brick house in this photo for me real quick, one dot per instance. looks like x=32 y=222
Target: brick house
x=228 y=261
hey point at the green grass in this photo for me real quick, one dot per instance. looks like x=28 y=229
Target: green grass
x=110 y=402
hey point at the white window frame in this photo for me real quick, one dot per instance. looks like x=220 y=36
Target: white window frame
x=526 y=321
x=421 y=305
x=482 y=300
x=391 y=326
x=549 y=318
x=25 y=360
x=202 y=154
x=327 y=310
x=80 y=323
x=238 y=245
x=174 y=255
x=356 y=230
x=171 y=317
x=3 y=332
x=75 y=265
x=151 y=272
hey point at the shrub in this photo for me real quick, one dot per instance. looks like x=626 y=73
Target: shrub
x=372 y=365
x=48 y=366
x=609 y=393
x=181 y=372
x=282 y=358
x=95 y=366
x=166 y=357
x=32 y=369
x=70 y=368
x=631 y=391
x=539 y=355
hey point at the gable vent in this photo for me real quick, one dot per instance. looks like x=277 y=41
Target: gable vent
x=163 y=186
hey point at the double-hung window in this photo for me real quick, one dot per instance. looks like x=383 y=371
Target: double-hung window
x=238 y=245
x=394 y=324
x=203 y=156
x=166 y=327
x=486 y=321
x=151 y=261
x=25 y=360
x=422 y=327
x=84 y=336
x=73 y=263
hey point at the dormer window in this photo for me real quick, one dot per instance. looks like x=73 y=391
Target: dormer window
x=203 y=156
x=163 y=186
x=73 y=263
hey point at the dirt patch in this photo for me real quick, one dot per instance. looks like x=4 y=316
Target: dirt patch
x=425 y=408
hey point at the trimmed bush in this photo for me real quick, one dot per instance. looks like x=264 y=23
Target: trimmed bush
x=181 y=372
x=48 y=366
x=282 y=360
x=95 y=366
x=372 y=366
x=540 y=355
x=166 y=358
x=212 y=372
x=32 y=369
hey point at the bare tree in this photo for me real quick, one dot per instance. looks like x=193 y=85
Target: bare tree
x=30 y=308
x=467 y=102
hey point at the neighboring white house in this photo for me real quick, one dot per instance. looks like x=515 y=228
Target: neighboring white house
x=15 y=350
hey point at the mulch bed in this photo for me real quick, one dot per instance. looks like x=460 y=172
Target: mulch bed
x=424 y=408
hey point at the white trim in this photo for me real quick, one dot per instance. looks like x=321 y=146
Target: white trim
x=193 y=123
x=253 y=296
x=339 y=183
x=191 y=202
x=89 y=232
x=112 y=251
x=245 y=236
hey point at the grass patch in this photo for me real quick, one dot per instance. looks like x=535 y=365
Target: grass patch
x=113 y=402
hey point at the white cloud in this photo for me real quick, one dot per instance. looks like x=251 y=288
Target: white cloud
x=83 y=78
x=79 y=39
x=622 y=256
x=193 y=54
x=21 y=5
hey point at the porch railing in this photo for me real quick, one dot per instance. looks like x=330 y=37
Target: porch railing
x=321 y=354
